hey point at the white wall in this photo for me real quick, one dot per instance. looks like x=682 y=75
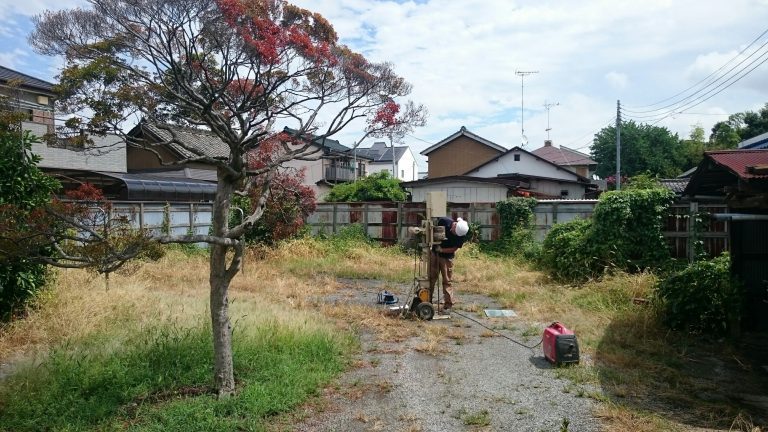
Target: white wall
x=106 y=154
x=407 y=169
x=528 y=164
x=554 y=188
x=462 y=192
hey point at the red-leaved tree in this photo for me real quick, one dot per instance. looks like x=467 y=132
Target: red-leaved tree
x=238 y=68
x=290 y=201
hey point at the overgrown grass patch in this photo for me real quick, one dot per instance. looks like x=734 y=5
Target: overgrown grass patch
x=161 y=379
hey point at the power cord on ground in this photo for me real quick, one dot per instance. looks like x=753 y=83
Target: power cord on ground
x=496 y=332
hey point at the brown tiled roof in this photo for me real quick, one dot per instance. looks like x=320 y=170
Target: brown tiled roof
x=740 y=161
x=563 y=156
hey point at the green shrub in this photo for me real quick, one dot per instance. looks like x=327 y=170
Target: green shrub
x=625 y=233
x=23 y=188
x=702 y=298
x=380 y=186
x=627 y=228
x=516 y=219
x=565 y=251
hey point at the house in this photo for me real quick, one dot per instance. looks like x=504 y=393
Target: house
x=154 y=156
x=30 y=95
x=331 y=163
x=404 y=166
x=544 y=178
x=563 y=156
x=57 y=148
x=740 y=177
x=459 y=153
x=467 y=189
x=758 y=142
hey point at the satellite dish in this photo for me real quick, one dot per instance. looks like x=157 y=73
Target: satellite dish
x=523 y=140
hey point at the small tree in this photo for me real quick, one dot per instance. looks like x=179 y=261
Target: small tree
x=378 y=186
x=234 y=67
x=289 y=204
x=23 y=188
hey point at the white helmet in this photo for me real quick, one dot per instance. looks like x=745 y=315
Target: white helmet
x=462 y=227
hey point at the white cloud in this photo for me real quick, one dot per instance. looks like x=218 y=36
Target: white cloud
x=461 y=57
x=617 y=80
x=13 y=59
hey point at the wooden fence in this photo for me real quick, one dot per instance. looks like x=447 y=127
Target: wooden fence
x=388 y=222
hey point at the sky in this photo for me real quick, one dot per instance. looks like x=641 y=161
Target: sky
x=462 y=57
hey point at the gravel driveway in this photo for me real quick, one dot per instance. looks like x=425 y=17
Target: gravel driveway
x=473 y=380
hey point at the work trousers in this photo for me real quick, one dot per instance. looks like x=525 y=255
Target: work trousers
x=441 y=267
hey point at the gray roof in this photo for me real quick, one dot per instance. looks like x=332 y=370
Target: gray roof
x=676 y=185
x=198 y=142
x=7 y=74
x=381 y=155
x=326 y=143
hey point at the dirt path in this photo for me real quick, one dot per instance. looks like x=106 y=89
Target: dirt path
x=469 y=380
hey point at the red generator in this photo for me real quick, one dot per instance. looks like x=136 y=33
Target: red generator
x=560 y=345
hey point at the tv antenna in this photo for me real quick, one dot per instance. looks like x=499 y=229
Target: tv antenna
x=549 y=106
x=522 y=75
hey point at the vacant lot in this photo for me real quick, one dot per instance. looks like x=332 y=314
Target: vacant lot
x=305 y=313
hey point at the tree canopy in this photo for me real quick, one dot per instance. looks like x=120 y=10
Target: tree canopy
x=644 y=148
x=239 y=68
x=380 y=186
x=739 y=127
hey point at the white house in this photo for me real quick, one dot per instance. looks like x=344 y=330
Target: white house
x=380 y=156
x=544 y=178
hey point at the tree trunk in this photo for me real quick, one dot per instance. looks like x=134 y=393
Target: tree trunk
x=223 y=371
x=220 y=277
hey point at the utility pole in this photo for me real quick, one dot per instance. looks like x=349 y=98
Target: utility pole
x=618 y=144
x=549 y=106
x=522 y=75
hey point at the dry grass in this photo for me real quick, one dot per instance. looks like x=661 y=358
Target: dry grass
x=288 y=285
x=173 y=289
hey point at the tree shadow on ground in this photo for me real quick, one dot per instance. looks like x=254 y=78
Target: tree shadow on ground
x=695 y=380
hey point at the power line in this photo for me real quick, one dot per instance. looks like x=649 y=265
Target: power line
x=718 y=79
x=710 y=75
x=698 y=101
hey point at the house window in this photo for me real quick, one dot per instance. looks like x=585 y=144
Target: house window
x=563 y=193
x=402 y=174
x=517 y=158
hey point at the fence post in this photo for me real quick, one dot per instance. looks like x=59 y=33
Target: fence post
x=365 y=218
x=399 y=221
x=333 y=221
x=693 y=209
x=555 y=206
x=191 y=219
x=141 y=216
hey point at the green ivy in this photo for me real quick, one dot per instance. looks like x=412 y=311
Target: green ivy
x=703 y=297
x=516 y=236
x=625 y=233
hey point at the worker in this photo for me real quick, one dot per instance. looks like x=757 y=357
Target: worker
x=441 y=258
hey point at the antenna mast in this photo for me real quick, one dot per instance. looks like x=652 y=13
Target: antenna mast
x=549 y=106
x=522 y=75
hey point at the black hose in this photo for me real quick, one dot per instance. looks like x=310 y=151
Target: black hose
x=494 y=331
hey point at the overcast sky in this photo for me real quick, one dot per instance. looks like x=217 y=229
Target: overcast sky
x=462 y=55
